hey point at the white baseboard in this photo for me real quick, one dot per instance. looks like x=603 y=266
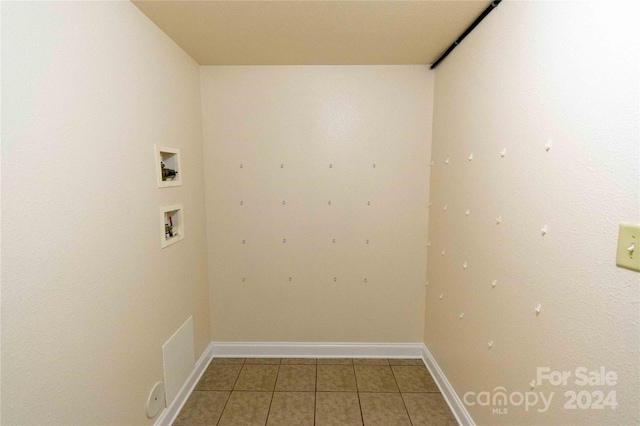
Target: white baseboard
x=168 y=416
x=457 y=407
x=317 y=350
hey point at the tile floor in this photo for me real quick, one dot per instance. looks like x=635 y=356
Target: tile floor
x=322 y=392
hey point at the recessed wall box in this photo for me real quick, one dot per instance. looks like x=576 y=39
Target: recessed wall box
x=171 y=225
x=168 y=168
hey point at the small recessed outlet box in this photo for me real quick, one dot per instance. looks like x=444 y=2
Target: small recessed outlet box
x=171 y=225
x=168 y=167
x=628 y=254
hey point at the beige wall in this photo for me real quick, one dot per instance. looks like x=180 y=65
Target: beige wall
x=88 y=296
x=307 y=118
x=533 y=72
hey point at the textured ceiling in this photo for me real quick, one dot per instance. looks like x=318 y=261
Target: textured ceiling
x=303 y=32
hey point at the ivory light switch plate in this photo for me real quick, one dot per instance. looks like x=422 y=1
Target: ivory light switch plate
x=628 y=254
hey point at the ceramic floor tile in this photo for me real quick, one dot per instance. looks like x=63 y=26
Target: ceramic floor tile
x=406 y=362
x=336 y=378
x=286 y=361
x=246 y=409
x=428 y=409
x=316 y=392
x=414 y=379
x=202 y=408
x=338 y=409
x=227 y=361
x=219 y=377
x=257 y=378
x=383 y=409
x=292 y=409
x=375 y=378
x=335 y=361
x=370 y=361
x=262 y=361
x=296 y=378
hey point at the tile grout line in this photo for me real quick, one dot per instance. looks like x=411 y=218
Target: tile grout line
x=266 y=420
x=229 y=397
x=358 y=393
x=401 y=397
x=405 y=408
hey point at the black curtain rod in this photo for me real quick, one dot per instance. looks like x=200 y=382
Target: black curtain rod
x=466 y=32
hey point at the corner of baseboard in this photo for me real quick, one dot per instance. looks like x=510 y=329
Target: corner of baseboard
x=450 y=396
x=169 y=414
